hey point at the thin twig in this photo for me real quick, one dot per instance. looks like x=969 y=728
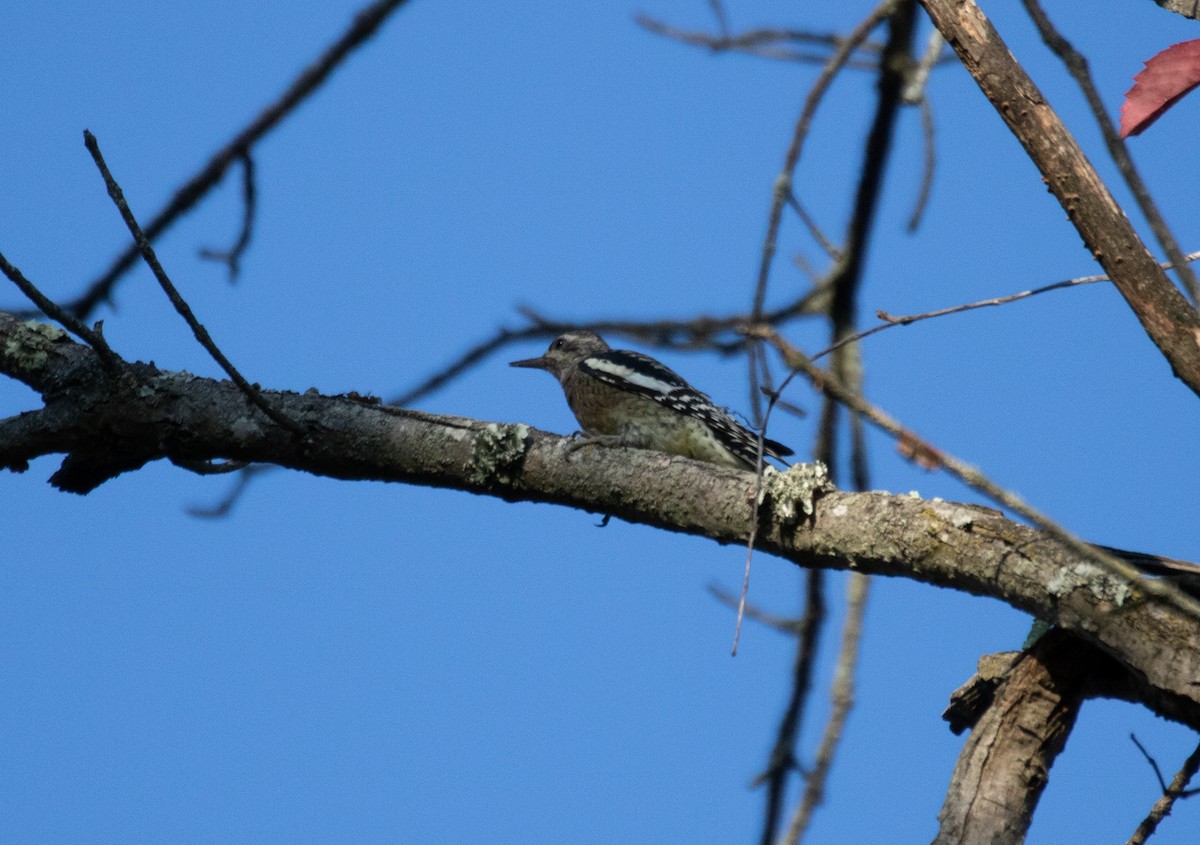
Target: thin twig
x=916 y=82
x=1077 y=66
x=782 y=762
x=916 y=92
x=366 y=22
x=893 y=71
x=782 y=191
x=476 y=354
x=225 y=505
x=842 y=695
x=783 y=182
x=1162 y=783
x=810 y=223
x=147 y=251
x=232 y=257
x=1162 y=807
x=111 y=361
x=765 y=43
x=783 y=624
x=928 y=166
x=891 y=321
x=760 y=464
x=203 y=467
x=893 y=80
x=718 y=11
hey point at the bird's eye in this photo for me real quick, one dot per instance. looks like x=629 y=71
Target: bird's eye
x=559 y=343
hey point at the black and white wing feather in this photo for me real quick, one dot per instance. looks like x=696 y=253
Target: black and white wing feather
x=640 y=374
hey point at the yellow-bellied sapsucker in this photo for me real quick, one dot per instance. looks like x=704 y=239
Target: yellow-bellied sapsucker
x=624 y=398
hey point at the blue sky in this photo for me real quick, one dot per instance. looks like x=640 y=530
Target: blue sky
x=369 y=662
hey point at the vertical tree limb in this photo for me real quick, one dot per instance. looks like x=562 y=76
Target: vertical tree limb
x=1006 y=762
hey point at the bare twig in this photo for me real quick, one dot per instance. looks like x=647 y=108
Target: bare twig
x=893 y=72
x=783 y=624
x=891 y=321
x=112 y=361
x=1077 y=66
x=846 y=278
x=718 y=11
x=1162 y=784
x=810 y=223
x=226 y=503
x=928 y=166
x=477 y=353
x=782 y=762
x=842 y=696
x=766 y=43
x=783 y=182
x=147 y=251
x=232 y=257
x=916 y=81
x=209 y=467
x=366 y=22
x=1176 y=790
x=760 y=464
x=868 y=187
x=916 y=93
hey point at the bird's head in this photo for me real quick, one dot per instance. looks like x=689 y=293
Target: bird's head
x=565 y=352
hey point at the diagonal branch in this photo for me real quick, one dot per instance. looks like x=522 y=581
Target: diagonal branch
x=1077 y=66
x=783 y=182
x=1166 y=316
x=54 y=311
x=364 y=25
x=1176 y=790
x=202 y=336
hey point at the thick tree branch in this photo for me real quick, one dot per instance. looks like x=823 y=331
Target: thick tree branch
x=1168 y=319
x=107 y=428
x=1005 y=765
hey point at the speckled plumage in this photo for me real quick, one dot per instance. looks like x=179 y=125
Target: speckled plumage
x=629 y=399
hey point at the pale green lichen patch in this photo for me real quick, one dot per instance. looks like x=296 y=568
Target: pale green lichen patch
x=30 y=349
x=49 y=332
x=497 y=451
x=1101 y=584
x=795 y=491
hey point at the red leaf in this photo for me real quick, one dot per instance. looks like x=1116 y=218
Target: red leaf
x=1166 y=78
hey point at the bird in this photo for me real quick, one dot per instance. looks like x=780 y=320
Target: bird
x=625 y=398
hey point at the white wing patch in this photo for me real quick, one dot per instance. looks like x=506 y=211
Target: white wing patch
x=618 y=373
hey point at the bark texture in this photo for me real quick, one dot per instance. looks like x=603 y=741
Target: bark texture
x=1005 y=764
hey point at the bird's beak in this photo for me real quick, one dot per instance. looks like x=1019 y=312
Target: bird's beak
x=532 y=363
